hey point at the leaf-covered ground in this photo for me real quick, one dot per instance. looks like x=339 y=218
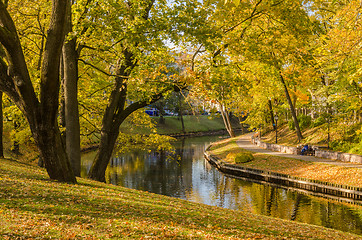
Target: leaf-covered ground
x=228 y=148
x=33 y=207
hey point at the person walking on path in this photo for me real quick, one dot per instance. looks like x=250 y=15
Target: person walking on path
x=245 y=143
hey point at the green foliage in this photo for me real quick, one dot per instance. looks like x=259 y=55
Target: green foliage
x=304 y=122
x=356 y=148
x=348 y=140
x=340 y=145
x=291 y=125
x=319 y=121
x=15 y=124
x=244 y=157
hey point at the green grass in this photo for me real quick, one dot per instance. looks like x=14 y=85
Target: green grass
x=173 y=125
x=33 y=207
x=192 y=124
x=313 y=136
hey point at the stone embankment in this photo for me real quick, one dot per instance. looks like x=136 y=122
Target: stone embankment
x=314 y=187
x=319 y=188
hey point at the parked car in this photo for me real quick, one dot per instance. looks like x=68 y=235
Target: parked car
x=152 y=112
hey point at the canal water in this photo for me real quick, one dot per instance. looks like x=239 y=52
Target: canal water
x=187 y=175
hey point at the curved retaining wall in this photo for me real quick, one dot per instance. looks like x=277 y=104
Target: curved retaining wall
x=321 y=187
x=344 y=157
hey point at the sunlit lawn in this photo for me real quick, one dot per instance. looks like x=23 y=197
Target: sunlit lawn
x=33 y=207
x=192 y=123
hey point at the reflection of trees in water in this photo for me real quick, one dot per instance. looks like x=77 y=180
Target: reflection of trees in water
x=150 y=171
x=296 y=208
x=277 y=202
x=184 y=150
x=188 y=175
x=271 y=197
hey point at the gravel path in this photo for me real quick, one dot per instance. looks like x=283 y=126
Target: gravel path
x=245 y=143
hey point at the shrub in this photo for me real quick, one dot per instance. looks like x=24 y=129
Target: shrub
x=304 y=122
x=291 y=125
x=340 y=145
x=243 y=157
x=319 y=121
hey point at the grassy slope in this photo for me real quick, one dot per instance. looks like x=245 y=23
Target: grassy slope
x=31 y=206
x=313 y=136
x=343 y=138
x=227 y=149
x=192 y=123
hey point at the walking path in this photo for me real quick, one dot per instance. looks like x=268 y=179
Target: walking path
x=245 y=143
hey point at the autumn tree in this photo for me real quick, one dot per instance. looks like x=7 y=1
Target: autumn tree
x=125 y=51
x=271 y=33
x=40 y=112
x=337 y=60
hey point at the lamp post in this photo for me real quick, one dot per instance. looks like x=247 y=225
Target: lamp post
x=328 y=125
x=276 y=128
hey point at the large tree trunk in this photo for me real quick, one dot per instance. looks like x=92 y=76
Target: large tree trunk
x=115 y=114
x=110 y=127
x=72 y=138
x=1 y=125
x=15 y=81
x=117 y=111
x=292 y=109
x=52 y=151
x=47 y=135
x=104 y=154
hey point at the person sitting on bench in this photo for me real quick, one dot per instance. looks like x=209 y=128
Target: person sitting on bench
x=304 y=149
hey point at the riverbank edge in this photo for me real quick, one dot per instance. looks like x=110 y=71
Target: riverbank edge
x=325 y=189
x=205 y=133
x=180 y=135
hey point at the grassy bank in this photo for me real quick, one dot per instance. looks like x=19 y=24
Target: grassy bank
x=313 y=135
x=227 y=150
x=342 y=138
x=173 y=125
x=192 y=124
x=33 y=207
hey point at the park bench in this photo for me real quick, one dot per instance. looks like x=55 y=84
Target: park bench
x=310 y=151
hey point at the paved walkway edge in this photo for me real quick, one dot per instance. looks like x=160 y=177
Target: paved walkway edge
x=326 y=154
x=341 y=192
x=246 y=142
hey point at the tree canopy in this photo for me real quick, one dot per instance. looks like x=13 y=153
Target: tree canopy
x=108 y=59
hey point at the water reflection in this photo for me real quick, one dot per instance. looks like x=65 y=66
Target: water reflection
x=189 y=176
